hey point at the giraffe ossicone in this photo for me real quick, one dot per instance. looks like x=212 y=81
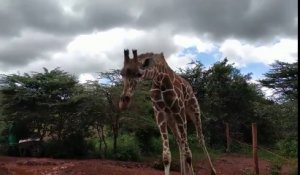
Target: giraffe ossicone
x=173 y=101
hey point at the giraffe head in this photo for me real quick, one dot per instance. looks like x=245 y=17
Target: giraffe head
x=131 y=74
x=140 y=67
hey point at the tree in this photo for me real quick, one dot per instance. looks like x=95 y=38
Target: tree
x=35 y=100
x=225 y=96
x=53 y=104
x=228 y=98
x=283 y=79
x=112 y=91
x=195 y=76
x=95 y=106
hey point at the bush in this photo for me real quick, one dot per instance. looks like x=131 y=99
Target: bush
x=288 y=147
x=236 y=147
x=73 y=146
x=155 y=145
x=147 y=140
x=128 y=148
x=4 y=149
x=92 y=147
x=276 y=166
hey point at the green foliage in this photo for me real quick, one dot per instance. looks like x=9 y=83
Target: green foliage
x=224 y=95
x=92 y=145
x=36 y=99
x=275 y=157
x=276 y=167
x=73 y=146
x=53 y=105
x=128 y=149
x=196 y=77
x=237 y=147
x=283 y=79
x=147 y=140
x=288 y=147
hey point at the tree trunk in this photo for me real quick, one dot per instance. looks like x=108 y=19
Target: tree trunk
x=103 y=139
x=100 y=146
x=100 y=138
x=115 y=133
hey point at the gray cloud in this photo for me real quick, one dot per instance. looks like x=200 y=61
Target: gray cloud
x=244 y=19
x=53 y=24
x=28 y=47
x=247 y=19
x=106 y=14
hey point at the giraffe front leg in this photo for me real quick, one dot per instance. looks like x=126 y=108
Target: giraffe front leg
x=166 y=154
x=167 y=161
x=163 y=128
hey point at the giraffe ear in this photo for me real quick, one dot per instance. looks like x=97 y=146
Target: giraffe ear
x=147 y=63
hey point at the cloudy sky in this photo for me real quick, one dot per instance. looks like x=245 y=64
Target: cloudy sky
x=85 y=37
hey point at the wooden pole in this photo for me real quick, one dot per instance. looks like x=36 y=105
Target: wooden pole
x=228 y=139
x=254 y=146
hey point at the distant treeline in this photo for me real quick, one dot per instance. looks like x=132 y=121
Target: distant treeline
x=69 y=116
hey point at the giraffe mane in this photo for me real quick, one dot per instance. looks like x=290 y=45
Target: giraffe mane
x=145 y=55
x=159 y=61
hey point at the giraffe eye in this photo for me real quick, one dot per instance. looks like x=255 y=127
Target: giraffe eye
x=147 y=63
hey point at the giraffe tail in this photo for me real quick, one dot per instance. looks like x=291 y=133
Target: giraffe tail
x=202 y=144
x=200 y=138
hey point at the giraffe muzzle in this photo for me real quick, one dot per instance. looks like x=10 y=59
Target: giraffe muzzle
x=124 y=102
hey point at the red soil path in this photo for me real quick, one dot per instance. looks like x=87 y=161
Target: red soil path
x=228 y=164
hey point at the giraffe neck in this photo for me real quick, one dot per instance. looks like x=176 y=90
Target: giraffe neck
x=158 y=72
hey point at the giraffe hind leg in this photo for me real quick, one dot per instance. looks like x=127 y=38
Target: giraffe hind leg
x=174 y=130
x=184 y=151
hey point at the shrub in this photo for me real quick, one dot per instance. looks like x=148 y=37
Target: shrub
x=288 y=147
x=275 y=168
x=92 y=147
x=155 y=145
x=73 y=146
x=147 y=140
x=128 y=148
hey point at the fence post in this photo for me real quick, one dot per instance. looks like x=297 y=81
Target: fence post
x=254 y=147
x=228 y=139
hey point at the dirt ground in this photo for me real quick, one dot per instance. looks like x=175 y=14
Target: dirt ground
x=228 y=164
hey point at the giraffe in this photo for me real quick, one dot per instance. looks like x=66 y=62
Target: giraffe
x=173 y=103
